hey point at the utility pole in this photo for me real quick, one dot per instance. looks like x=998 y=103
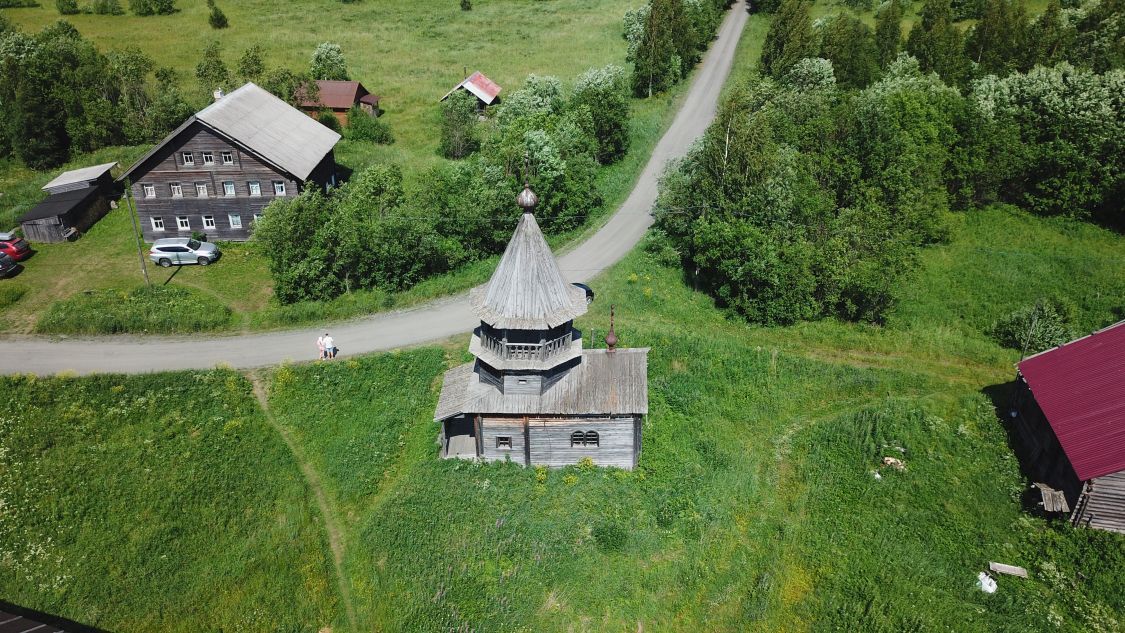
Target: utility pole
x=136 y=231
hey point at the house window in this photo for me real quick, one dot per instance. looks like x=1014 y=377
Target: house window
x=201 y=189
x=150 y=190
x=208 y=221
x=255 y=188
x=235 y=221
x=182 y=223
x=278 y=188
x=504 y=441
x=228 y=158
x=584 y=438
x=228 y=188
x=177 y=190
x=157 y=224
x=189 y=159
x=208 y=158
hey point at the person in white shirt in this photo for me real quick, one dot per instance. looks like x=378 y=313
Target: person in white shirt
x=329 y=346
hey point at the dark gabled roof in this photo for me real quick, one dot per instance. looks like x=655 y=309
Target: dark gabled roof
x=1080 y=388
x=480 y=86
x=58 y=204
x=272 y=129
x=340 y=95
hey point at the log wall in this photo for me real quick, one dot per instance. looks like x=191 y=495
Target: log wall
x=1102 y=504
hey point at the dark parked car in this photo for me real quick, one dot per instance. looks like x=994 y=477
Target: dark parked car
x=7 y=265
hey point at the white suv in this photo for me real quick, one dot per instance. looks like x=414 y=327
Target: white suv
x=171 y=251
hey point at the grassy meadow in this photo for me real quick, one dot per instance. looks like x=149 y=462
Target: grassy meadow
x=755 y=507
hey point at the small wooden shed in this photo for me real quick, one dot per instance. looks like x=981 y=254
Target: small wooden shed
x=1069 y=413
x=484 y=89
x=77 y=200
x=339 y=97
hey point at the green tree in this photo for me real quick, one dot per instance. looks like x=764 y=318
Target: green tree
x=1049 y=37
x=211 y=72
x=290 y=87
x=250 y=65
x=217 y=19
x=657 y=63
x=938 y=44
x=458 y=125
x=604 y=92
x=850 y=45
x=169 y=108
x=888 y=32
x=328 y=62
x=789 y=39
x=67 y=7
x=999 y=42
x=363 y=126
x=152 y=7
x=287 y=236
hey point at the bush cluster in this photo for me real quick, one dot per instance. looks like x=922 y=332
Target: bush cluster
x=666 y=38
x=366 y=127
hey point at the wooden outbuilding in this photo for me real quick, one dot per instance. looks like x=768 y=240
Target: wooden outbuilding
x=221 y=168
x=1069 y=413
x=339 y=97
x=484 y=89
x=77 y=200
x=533 y=395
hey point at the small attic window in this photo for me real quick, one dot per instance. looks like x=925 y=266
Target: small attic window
x=504 y=441
x=522 y=381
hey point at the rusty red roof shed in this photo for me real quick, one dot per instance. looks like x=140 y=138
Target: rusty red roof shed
x=340 y=95
x=480 y=86
x=1080 y=388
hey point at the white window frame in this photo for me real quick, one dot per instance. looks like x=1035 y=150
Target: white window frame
x=208 y=158
x=200 y=190
x=157 y=223
x=183 y=223
x=227 y=157
x=257 y=216
x=235 y=220
x=188 y=158
x=228 y=188
x=208 y=221
x=279 y=187
x=254 y=185
x=177 y=190
x=149 y=190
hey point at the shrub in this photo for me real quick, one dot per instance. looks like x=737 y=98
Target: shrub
x=9 y=294
x=328 y=120
x=366 y=127
x=217 y=19
x=152 y=7
x=1035 y=328
x=611 y=535
x=466 y=5
x=328 y=62
x=159 y=309
x=458 y=125
x=67 y=7
x=107 y=7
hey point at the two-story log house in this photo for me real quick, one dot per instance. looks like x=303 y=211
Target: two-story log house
x=216 y=172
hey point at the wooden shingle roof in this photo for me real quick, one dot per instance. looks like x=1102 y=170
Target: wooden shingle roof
x=603 y=383
x=527 y=291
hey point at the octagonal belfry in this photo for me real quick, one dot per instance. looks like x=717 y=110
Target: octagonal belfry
x=533 y=395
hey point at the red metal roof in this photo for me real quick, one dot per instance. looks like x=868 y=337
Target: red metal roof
x=1080 y=387
x=482 y=87
x=339 y=95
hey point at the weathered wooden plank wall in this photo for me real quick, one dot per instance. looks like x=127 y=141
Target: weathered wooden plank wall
x=549 y=442
x=1104 y=505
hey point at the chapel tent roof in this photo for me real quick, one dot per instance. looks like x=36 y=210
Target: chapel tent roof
x=58 y=204
x=274 y=130
x=340 y=95
x=603 y=383
x=70 y=179
x=480 y=86
x=1080 y=387
x=527 y=291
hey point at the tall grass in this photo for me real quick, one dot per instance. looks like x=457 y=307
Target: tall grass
x=156 y=503
x=154 y=310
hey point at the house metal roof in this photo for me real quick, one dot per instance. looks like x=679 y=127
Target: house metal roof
x=272 y=128
x=482 y=88
x=277 y=132
x=603 y=383
x=1080 y=387
x=527 y=291
x=81 y=176
x=340 y=95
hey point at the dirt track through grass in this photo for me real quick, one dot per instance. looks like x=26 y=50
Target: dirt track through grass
x=324 y=504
